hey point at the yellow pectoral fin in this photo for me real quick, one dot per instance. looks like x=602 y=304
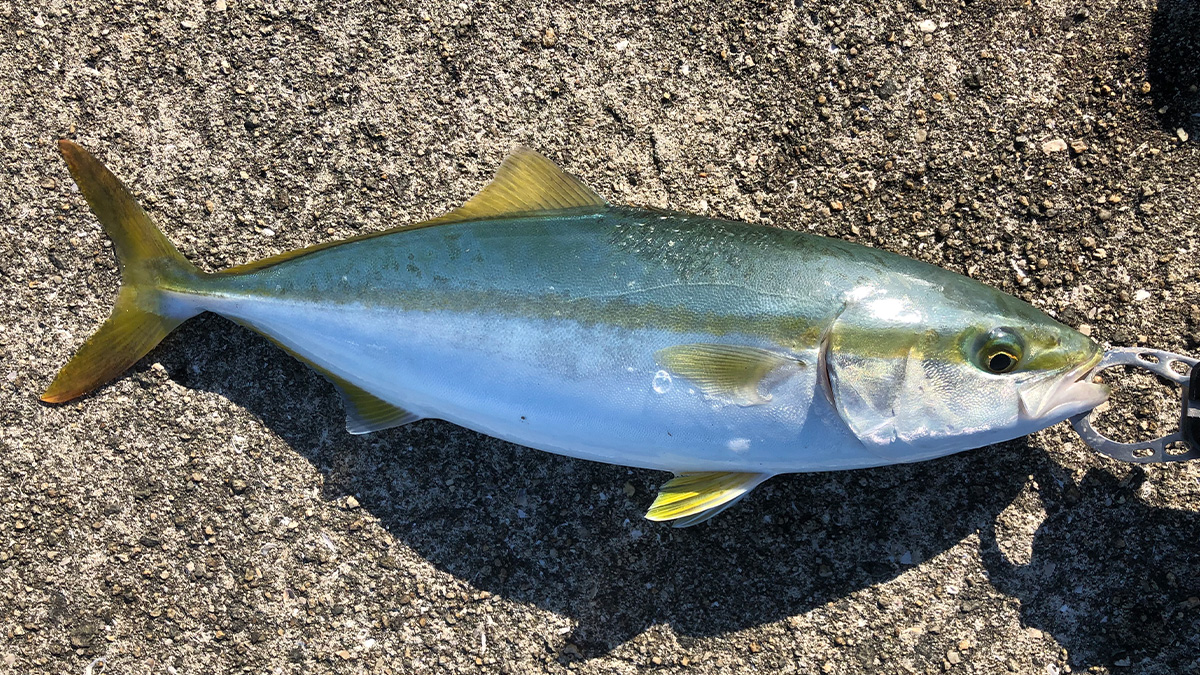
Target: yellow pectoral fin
x=732 y=372
x=692 y=498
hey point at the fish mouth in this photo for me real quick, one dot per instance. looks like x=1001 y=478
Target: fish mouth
x=1070 y=394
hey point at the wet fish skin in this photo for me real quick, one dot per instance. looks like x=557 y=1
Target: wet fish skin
x=538 y=313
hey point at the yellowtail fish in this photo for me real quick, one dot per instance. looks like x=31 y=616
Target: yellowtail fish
x=540 y=314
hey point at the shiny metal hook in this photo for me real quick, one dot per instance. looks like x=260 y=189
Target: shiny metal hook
x=1159 y=449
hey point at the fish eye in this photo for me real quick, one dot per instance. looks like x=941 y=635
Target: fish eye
x=1000 y=351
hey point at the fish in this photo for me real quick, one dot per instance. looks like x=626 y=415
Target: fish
x=539 y=313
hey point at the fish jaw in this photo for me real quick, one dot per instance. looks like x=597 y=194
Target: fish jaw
x=1071 y=394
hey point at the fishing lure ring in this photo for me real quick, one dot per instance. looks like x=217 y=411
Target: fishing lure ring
x=1179 y=446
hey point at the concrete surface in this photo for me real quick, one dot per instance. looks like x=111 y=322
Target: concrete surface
x=207 y=513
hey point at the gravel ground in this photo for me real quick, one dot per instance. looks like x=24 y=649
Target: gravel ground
x=207 y=513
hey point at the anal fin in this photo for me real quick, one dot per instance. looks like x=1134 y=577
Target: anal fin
x=366 y=412
x=692 y=498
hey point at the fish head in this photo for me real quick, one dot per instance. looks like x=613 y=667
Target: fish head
x=915 y=377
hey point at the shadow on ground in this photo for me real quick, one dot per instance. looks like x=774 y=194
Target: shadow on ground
x=1115 y=580
x=1173 y=65
x=568 y=536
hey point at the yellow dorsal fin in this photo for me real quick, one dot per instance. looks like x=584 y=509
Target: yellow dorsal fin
x=692 y=498
x=731 y=372
x=527 y=182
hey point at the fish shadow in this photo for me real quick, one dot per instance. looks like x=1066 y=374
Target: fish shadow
x=1113 y=578
x=568 y=535
x=1172 y=68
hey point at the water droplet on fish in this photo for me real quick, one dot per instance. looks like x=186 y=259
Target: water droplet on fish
x=662 y=382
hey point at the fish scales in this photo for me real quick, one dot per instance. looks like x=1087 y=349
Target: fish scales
x=544 y=331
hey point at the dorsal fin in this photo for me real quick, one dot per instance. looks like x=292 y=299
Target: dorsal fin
x=527 y=182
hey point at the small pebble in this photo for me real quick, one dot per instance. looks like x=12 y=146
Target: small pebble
x=1056 y=145
x=549 y=38
x=1182 y=134
x=927 y=26
x=351 y=502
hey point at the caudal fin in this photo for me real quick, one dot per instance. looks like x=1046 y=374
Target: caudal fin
x=148 y=263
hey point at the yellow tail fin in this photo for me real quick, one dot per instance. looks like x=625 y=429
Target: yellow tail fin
x=148 y=262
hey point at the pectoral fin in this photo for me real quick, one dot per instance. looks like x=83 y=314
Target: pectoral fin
x=692 y=498
x=732 y=372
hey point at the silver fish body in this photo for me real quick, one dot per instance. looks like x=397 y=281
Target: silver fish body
x=722 y=351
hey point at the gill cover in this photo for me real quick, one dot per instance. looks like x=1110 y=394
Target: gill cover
x=878 y=391
x=903 y=387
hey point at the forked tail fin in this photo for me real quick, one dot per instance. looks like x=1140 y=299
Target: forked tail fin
x=148 y=263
